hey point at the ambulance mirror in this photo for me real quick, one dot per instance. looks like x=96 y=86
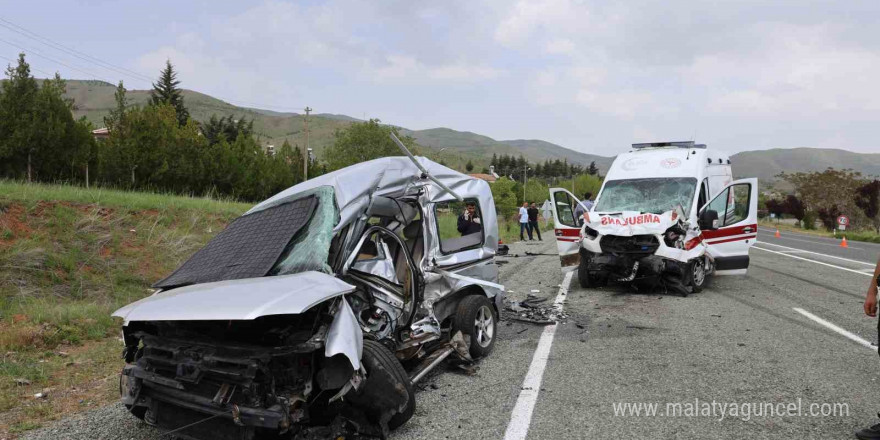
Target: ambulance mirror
x=708 y=220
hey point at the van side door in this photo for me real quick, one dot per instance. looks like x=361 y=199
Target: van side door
x=567 y=228
x=737 y=226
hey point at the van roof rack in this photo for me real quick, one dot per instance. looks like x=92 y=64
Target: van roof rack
x=682 y=144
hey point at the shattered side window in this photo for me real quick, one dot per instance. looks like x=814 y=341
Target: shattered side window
x=310 y=249
x=460 y=225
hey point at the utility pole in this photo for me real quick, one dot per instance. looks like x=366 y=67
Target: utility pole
x=525 y=180
x=306 y=148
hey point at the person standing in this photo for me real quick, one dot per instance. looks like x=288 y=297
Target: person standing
x=524 y=221
x=872 y=433
x=583 y=206
x=533 y=221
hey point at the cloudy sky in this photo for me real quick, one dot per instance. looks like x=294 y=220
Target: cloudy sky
x=593 y=76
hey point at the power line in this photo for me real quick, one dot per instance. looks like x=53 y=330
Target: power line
x=83 y=56
x=32 y=67
x=104 y=64
x=19 y=46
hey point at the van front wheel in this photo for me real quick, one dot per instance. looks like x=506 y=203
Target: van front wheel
x=696 y=274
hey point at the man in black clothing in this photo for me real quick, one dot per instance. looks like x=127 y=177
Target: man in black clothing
x=872 y=433
x=470 y=222
x=533 y=220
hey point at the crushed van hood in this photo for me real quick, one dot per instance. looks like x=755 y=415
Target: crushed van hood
x=629 y=223
x=243 y=299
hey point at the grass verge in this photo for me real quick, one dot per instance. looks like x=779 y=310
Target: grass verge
x=68 y=258
x=865 y=236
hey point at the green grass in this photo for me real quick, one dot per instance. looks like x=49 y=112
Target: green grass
x=35 y=193
x=866 y=236
x=68 y=258
x=508 y=230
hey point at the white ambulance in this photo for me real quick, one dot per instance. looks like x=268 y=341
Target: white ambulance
x=667 y=217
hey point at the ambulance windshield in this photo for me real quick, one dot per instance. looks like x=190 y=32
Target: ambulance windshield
x=654 y=195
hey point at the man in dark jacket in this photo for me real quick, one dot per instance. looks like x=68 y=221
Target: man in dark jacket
x=533 y=220
x=470 y=222
x=872 y=433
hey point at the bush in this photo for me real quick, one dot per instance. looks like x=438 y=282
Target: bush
x=809 y=221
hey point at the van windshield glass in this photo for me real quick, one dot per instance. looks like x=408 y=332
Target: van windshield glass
x=656 y=195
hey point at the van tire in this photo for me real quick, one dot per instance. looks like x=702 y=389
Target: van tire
x=697 y=276
x=377 y=355
x=469 y=309
x=588 y=280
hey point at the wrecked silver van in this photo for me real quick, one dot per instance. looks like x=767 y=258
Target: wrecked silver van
x=313 y=314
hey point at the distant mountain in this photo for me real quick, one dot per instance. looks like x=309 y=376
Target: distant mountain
x=484 y=146
x=766 y=164
x=94 y=99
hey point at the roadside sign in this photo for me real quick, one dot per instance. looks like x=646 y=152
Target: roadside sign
x=842 y=222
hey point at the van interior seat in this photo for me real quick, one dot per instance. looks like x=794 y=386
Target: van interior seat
x=415 y=244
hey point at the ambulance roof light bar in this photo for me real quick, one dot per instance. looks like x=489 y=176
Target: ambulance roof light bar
x=682 y=144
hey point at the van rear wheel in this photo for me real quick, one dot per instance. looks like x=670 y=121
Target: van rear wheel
x=475 y=317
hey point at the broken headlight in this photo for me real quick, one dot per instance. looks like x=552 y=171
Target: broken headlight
x=590 y=232
x=674 y=236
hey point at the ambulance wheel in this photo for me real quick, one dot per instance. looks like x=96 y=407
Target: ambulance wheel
x=696 y=275
x=587 y=279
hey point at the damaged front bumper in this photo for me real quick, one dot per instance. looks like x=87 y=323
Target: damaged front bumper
x=643 y=259
x=247 y=387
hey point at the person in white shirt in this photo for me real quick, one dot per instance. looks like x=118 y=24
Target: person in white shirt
x=524 y=221
x=585 y=205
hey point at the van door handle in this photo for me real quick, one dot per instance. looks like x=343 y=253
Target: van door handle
x=747 y=229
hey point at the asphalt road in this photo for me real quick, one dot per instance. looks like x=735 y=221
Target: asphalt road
x=750 y=340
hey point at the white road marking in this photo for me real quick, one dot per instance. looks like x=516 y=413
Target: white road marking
x=785 y=237
x=813 y=261
x=817 y=253
x=521 y=417
x=848 y=335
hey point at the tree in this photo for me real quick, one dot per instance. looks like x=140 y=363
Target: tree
x=469 y=166
x=228 y=127
x=18 y=103
x=166 y=91
x=828 y=216
x=793 y=206
x=363 y=141
x=868 y=199
x=775 y=207
x=830 y=191
x=593 y=170
x=118 y=112
x=505 y=198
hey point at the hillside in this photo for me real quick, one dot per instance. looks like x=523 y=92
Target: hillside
x=766 y=164
x=94 y=99
x=69 y=256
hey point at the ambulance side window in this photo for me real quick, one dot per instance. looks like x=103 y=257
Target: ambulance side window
x=565 y=207
x=701 y=200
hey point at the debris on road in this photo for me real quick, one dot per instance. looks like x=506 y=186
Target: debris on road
x=533 y=310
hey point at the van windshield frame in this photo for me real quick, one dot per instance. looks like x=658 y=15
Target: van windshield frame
x=655 y=195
